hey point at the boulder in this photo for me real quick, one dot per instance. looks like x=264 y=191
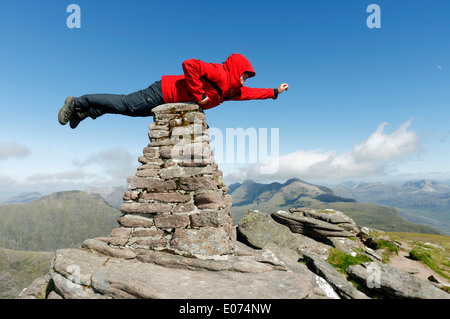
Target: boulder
x=310 y=225
x=394 y=283
x=83 y=274
x=37 y=289
x=232 y=263
x=259 y=229
x=306 y=244
x=330 y=216
x=103 y=248
x=353 y=247
x=337 y=280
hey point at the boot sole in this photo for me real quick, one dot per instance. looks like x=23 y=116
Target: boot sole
x=74 y=122
x=68 y=107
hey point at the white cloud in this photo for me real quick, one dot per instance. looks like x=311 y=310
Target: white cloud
x=7 y=181
x=75 y=175
x=13 y=149
x=382 y=147
x=116 y=163
x=373 y=157
x=106 y=167
x=43 y=183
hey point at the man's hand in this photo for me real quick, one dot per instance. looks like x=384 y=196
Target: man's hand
x=283 y=87
x=204 y=101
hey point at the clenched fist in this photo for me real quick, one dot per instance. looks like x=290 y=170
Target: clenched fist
x=283 y=87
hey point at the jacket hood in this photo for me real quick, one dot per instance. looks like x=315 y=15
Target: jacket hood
x=235 y=65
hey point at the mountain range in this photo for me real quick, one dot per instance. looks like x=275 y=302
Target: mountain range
x=423 y=201
x=113 y=195
x=22 y=198
x=58 y=220
x=64 y=219
x=272 y=197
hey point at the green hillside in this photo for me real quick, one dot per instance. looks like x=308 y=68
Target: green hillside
x=59 y=220
x=296 y=193
x=18 y=269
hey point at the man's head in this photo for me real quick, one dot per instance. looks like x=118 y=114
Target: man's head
x=239 y=69
x=244 y=77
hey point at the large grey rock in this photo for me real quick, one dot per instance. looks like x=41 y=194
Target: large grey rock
x=353 y=247
x=231 y=263
x=306 y=244
x=103 y=248
x=346 y=245
x=337 y=280
x=77 y=265
x=395 y=283
x=37 y=289
x=79 y=273
x=68 y=288
x=153 y=281
x=309 y=225
x=330 y=216
x=259 y=229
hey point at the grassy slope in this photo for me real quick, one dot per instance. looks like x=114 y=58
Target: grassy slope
x=36 y=229
x=437 y=254
x=19 y=268
x=60 y=220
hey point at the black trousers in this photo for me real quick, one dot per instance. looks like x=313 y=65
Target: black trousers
x=139 y=103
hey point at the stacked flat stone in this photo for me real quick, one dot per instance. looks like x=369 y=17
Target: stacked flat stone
x=177 y=200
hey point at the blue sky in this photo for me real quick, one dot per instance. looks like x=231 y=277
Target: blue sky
x=363 y=104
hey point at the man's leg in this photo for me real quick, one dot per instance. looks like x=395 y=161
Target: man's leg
x=96 y=105
x=138 y=103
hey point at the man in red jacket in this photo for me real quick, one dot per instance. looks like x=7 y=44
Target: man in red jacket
x=207 y=84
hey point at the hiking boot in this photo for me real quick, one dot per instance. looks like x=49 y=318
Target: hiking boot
x=66 y=112
x=77 y=117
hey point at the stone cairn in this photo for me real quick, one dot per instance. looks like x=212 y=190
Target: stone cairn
x=177 y=201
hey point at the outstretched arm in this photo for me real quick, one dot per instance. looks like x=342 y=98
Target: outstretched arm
x=246 y=93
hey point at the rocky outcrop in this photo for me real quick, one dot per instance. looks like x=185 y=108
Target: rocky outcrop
x=176 y=238
x=286 y=265
x=394 y=283
x=337 y=280
x=259 y=229
x=260 y=274
x=319 y=224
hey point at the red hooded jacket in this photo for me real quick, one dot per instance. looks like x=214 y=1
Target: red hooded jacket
x=220 y=82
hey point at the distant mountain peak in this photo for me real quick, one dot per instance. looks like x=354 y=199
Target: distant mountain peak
x=295 y=179
x=426 y=186
x=22 y=198
x=101 y=190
